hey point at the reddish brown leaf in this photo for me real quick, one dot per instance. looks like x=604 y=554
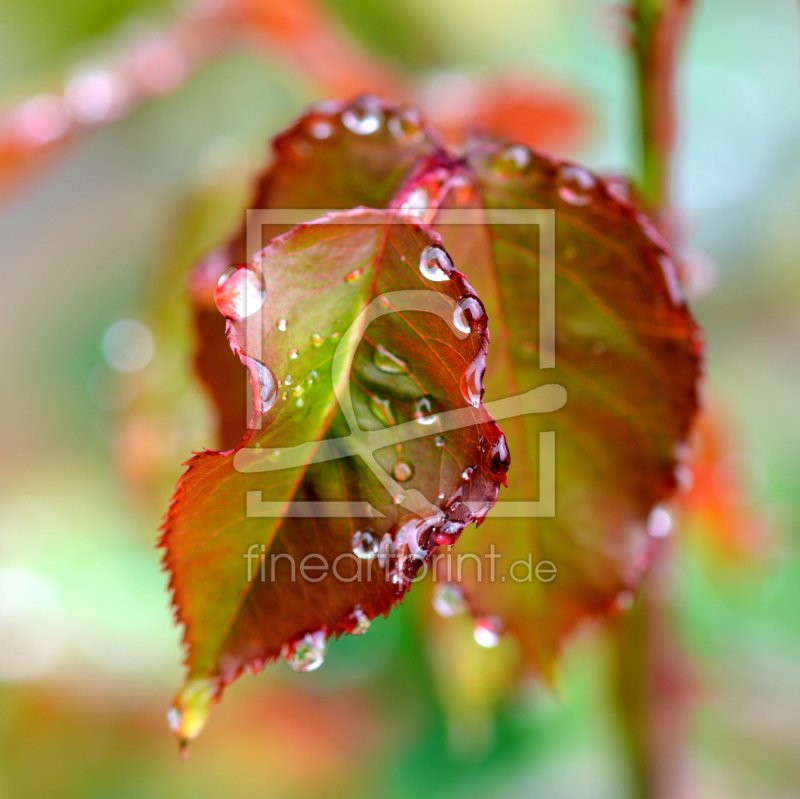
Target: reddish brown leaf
x=628 y=354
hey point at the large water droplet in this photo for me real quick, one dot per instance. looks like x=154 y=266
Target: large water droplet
x=417 y=202
x=307 y=653
x=472 y=381
x=265 y=387
x=240 y=292
x=448 y=600
x=402 y=471
x=659 y=523
x=359 y=621
x=448 y=533
x=386 y=362
x=406 y=124
x=499 y=458
x=423 y=411
x=487 y=631
x=468 y=313
x=364 y=544
x=435 y=264
x=363 y=117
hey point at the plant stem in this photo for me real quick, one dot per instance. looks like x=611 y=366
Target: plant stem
x=658 y=32
x=651 y=676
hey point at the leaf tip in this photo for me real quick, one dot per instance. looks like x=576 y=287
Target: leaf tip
x=190 y=710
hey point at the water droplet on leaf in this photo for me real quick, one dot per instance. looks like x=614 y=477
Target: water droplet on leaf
x=576 y=182
x=448 y=600
x=316 y=339
x=363 y=117
x=364 y=544
x=417 y=202
x=435 y=264
x=359 y=620
x=321 y=129
x=659 y=523
x=406 y=124
x=487 y=631
x=512 y=160
x=381 y=408
x=293 y=353
x=499 y=458
x=388 y=363
x=423 y=411
x=307 y=653
x=240 y=292
x=472 y=381
x=402 y=471
x=282 y=325
x=191 y=707
x=265 y=387
x=468 y=313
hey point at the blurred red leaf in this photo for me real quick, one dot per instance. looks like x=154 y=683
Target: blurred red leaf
x=510 y=107
x=720 y=493
x=628 y=353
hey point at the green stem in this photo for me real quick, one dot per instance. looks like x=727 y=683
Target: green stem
x=658 y=32
x=650 y=674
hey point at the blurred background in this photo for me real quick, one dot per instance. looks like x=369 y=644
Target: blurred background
x=130 y=133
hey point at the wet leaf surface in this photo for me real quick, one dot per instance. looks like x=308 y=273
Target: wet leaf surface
x=352 y=336
x=628 y=354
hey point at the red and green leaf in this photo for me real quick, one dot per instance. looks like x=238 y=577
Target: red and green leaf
x=353 y=338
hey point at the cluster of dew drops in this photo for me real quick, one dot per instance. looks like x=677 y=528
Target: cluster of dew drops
x=240 y=293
